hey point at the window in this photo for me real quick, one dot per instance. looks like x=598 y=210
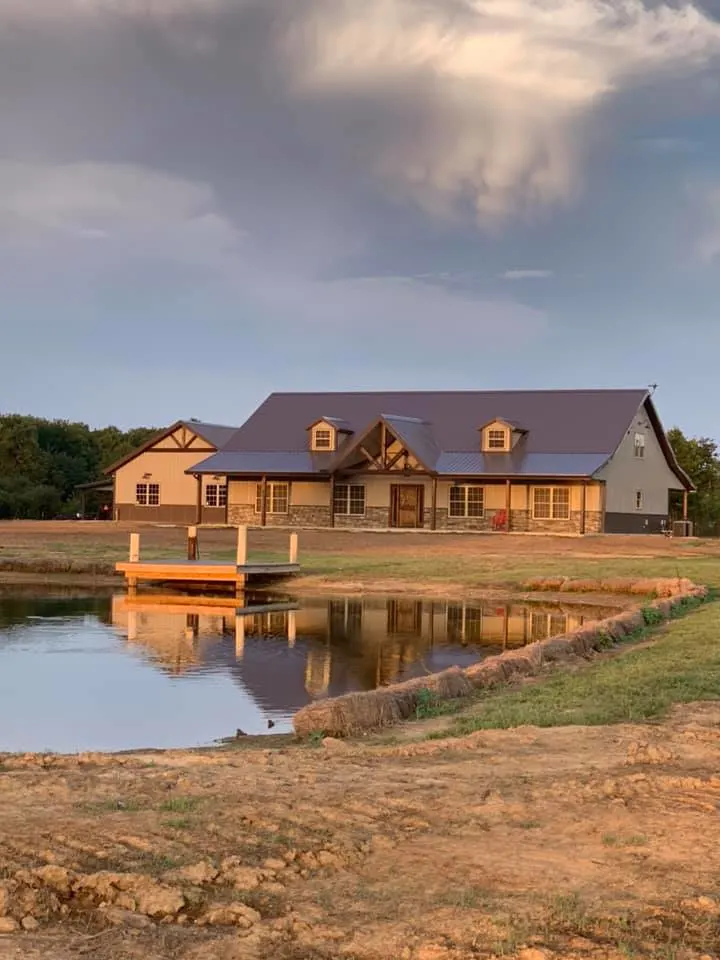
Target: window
x=640 y=445
x=497 y=439
x=322 y=438
x=147 y=494
x=551 y=503
x=639 y=500
x=464 y=623
x=349 y=500
x=467 y=501
x=278 y=498
x=215 y=495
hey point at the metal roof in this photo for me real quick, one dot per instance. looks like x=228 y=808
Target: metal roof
x=216 y=434
x=263 y=462
x=520 y=465
x=566 y=433
x=557 y=421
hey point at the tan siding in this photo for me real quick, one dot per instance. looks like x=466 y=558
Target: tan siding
x=626 y=473
x=241 y=493
x=303 y=494
x=377 y=489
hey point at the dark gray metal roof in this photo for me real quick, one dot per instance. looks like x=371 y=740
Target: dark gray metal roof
x=521 y=464
x=216 y=434
x=262 y=462
x=568 y=432
x=417 y=436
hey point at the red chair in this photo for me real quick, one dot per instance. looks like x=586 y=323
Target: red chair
x=499 y=521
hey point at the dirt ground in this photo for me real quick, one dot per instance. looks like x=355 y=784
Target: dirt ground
x=571 y=842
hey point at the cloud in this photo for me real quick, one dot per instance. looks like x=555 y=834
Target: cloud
x=140 y=211
x=526 y=274
x=486 y=105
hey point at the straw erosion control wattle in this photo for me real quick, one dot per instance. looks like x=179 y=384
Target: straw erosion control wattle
x=356 y=713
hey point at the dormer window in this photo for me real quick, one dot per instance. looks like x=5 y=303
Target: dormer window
x=327 y=434
x=500 y=435
x=497 y=439
x=322 y=438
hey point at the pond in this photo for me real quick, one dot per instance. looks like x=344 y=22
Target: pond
x=117 y=672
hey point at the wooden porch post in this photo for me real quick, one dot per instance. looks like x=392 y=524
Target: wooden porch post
x=383 y=444
x=198 y=501
x=583 y=508
x=508 y=503
x=263 y=503
x=332 y=499
x=433 y=519
x=685 y=505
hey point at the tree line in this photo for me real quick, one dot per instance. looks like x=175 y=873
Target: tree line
x=43 y=461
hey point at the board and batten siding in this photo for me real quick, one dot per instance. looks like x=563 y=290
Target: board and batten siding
x=625 y=475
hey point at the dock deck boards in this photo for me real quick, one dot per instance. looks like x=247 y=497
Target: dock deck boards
x=200 y=571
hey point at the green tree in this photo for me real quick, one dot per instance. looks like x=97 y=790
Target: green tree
x=43 y=461
x=698 y=457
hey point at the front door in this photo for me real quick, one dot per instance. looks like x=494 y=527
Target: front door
x=406 y=506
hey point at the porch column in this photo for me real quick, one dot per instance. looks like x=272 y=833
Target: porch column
x=433 y=518
x=508 y=502
x=685 y=505
x=583 y=507
x=263 y=502
x=332 y=499
x=198 y=501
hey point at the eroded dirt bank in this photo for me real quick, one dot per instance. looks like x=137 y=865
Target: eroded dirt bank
x=572 y=842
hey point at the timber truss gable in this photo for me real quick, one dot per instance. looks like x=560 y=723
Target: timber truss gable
x=382 y=449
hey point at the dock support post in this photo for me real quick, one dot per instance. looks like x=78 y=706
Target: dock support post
x=241 y=560
x=293 y=548
x=241 y=556
x=134 y=558
x=134 y=547
x=192 y=544
x=239 y=636
x=292 y=628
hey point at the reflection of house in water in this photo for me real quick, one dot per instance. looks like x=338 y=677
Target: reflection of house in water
x=331 y=646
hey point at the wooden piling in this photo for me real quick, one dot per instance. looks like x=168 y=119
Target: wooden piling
x=239 y=636
x=192 y=544
x=293 y=548
x=134 y=547
x=292 y=628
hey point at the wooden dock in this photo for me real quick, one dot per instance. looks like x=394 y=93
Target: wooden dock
x=196 y=571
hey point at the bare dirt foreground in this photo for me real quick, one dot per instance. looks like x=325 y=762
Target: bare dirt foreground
x=571 y=842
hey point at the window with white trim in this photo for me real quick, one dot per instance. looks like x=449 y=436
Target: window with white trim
x=639 y=445
x=323 y=438
x=147 y=494
x=496 y=438
x=467 y=500
x=278 y=498
x=639 y=500
x=551 y=503
x=216 y=495
x=349 y=500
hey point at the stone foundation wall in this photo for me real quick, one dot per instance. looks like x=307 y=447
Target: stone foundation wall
x=376 y=518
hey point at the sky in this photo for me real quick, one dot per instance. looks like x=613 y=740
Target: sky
x=203 y=201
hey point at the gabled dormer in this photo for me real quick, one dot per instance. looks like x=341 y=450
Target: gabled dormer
x=327 y=433
x=500 y=435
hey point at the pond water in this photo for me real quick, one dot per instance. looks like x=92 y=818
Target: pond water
x=118 y=672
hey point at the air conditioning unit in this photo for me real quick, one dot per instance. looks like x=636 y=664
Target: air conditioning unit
x=682 y=528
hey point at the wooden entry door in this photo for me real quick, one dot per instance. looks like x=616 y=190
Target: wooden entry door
x=406 y=506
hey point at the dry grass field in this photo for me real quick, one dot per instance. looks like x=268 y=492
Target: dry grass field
x=396 y=561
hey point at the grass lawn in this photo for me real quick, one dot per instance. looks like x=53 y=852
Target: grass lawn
x=469 y=561
x=682 y=665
